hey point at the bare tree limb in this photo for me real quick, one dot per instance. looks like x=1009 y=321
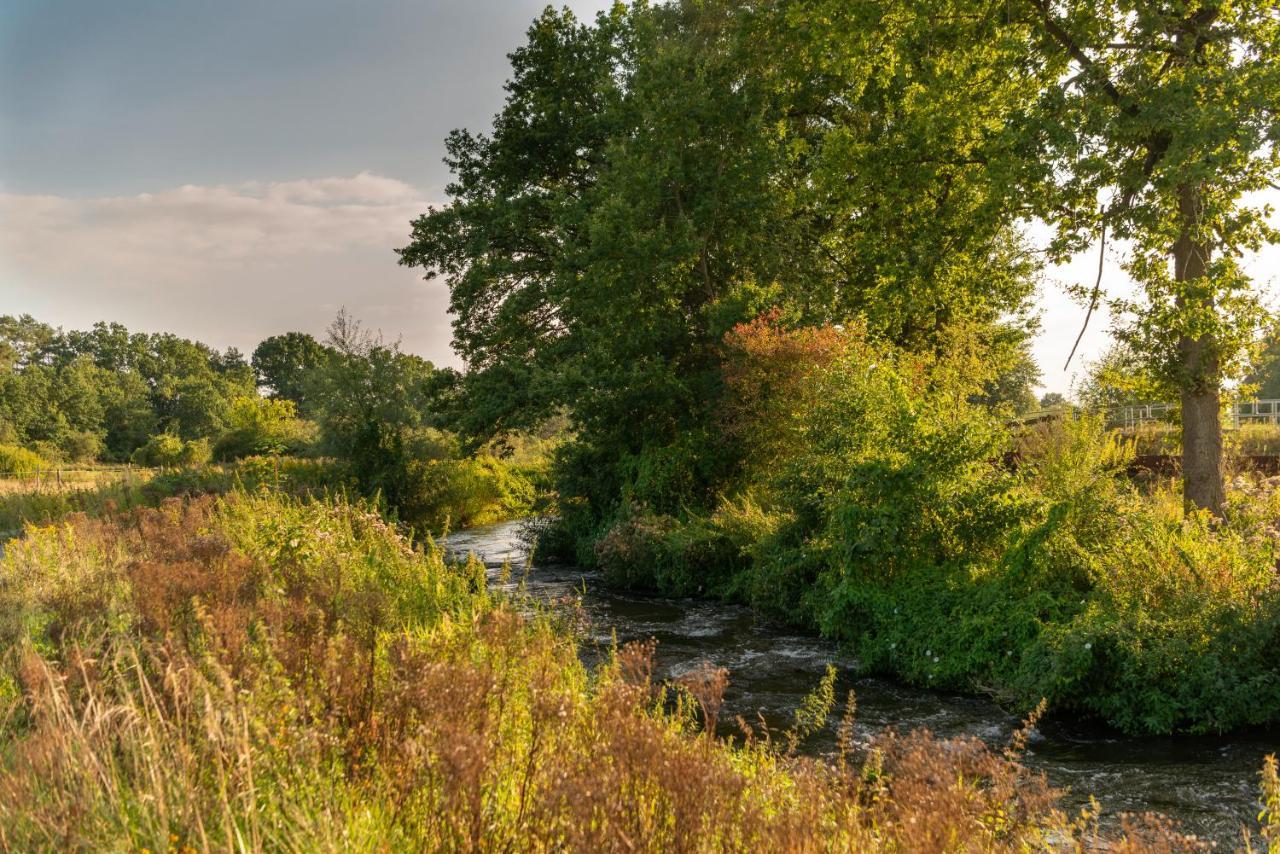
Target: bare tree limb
x=1097 y=292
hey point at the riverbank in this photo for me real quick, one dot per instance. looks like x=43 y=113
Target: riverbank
x=292 y=674
x=889 y=525
x=1206 y=783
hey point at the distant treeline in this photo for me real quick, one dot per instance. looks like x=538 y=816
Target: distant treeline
x=379 y=418
x=107 y=393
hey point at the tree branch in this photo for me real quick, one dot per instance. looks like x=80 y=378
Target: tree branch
x=1097 y=292
x=1065 y=39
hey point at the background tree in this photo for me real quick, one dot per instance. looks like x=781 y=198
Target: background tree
x=1053 y=400
x=1265 y=376
x=282 y=363
x=370 y=398
x=70 y=393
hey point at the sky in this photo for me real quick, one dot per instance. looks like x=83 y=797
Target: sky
x=233 y=170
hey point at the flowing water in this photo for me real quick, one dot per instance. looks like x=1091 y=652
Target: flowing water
x=1210 y=785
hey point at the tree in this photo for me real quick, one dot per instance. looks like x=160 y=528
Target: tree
x=1155 y=123
x=282 y=364
x=1053 y=400
x=109 y=389
x=508 y=242
x=1015 y=375
x=370 y=397
x=23 y=341
x=674 y=170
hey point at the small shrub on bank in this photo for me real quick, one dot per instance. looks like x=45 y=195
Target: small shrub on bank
x=697 y=556
x=461 y=493
x=168 y=451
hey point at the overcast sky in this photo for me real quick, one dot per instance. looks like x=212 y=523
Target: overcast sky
x=236 y=169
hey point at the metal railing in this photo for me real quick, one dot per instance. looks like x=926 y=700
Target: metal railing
x=1243 y=412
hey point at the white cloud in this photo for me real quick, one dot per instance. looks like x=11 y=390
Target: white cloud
x=229 y=264
x=191 y=229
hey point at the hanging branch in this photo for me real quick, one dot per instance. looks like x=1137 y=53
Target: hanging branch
x=1097 y=292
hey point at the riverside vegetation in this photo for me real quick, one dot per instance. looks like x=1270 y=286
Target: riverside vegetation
x=884 y=512
x=744 y=294
x=263 y=672
x=771 y=260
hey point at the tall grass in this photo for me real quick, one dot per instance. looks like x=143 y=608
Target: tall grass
x=257 y=672
x=147 y=487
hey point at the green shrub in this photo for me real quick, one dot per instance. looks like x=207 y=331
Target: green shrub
x=258 y=426
x=696 y=556
x=47 y=450
x=1101 y=600
x=81 y=446
x=440 y=493
x=1177 y=632
x=169 y=451
x=19 y=462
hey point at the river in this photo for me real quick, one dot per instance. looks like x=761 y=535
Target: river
x=1208 y=784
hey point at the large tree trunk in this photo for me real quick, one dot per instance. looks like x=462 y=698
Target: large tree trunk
x=1202 y=482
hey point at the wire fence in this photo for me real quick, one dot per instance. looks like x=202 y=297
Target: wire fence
x=59 y=476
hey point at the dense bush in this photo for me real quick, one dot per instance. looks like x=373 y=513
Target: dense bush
x=81 y=446
x=696 y=556
x=458 y=493
x=258 y=426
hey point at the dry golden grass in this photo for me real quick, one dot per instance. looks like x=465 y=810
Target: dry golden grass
x=59 y=480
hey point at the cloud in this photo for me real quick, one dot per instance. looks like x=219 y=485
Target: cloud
x=228 y=263
x=191 y=229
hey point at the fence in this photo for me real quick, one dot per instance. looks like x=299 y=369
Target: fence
x=1244 y=412
x=72 y=475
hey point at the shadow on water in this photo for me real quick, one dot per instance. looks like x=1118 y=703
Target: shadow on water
x=1208 y=784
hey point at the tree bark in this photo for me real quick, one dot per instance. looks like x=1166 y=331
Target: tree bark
x=1202 y=479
